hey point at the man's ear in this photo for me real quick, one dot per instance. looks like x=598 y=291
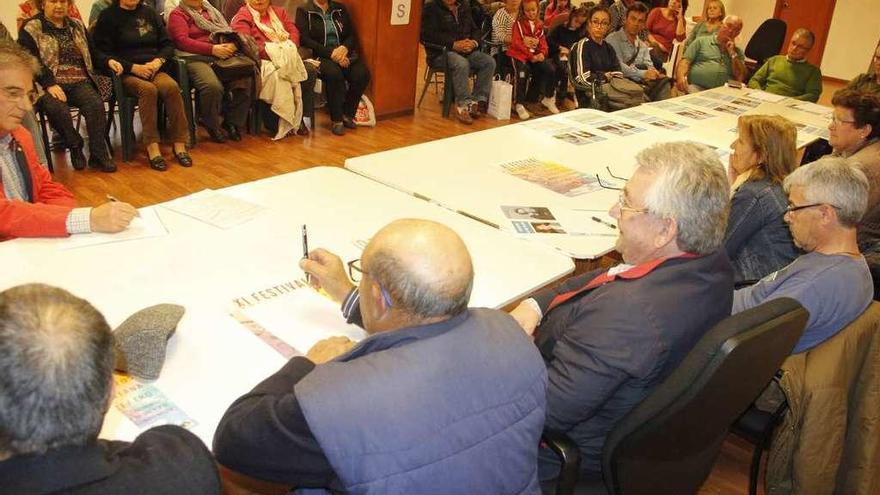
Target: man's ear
x=379 y=300
x=668 y=233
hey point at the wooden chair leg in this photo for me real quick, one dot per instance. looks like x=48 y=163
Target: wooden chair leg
x=46 y=145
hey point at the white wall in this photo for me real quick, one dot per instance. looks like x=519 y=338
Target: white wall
x=855 y=29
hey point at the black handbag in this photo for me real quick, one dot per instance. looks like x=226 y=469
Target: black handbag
x=233 y=68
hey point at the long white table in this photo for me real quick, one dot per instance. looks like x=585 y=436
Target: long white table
x=463 y=173
x=212 y=358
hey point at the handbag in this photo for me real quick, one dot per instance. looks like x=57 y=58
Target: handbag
x=233 y=68
x=622 y=93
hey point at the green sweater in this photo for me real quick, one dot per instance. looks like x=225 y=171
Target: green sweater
x=798 y=80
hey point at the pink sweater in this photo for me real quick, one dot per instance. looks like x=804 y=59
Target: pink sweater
x=662 y=28
x=186 y=35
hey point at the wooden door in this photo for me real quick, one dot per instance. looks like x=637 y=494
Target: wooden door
x=814 y=15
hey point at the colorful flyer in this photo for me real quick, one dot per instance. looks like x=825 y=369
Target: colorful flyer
x=145 y=405
x=552 y=176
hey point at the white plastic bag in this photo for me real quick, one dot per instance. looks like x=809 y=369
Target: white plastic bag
x=500 y=99
x=365 y=115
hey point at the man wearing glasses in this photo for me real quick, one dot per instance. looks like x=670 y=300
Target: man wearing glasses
x=439 y=398
x=790 y=74
x=854 y=133
x=826 y=200
x=609 y=337
x=31 y=204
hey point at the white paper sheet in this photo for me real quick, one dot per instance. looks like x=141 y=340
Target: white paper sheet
x=217 y=209
x=765 y=96
x=148 y=224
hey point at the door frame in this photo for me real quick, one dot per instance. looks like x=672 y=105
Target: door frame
x=821 y=38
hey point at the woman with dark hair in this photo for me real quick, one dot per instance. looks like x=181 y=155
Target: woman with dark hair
x=30 y=8
x=665 y=25
x=591 y=58
x=328 y=31
x=131 y=41
x=757 y=239
x=555 y=8
x=559 y=43
x=67 y=75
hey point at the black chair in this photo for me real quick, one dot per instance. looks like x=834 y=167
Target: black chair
x=668 y=443
x=433 y=75
x=765 y=42
x=757 y=427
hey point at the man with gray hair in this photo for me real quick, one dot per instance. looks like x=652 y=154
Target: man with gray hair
x=56 y=360
x=826 y=200
x=710 y=61
x=438 y=399
x=790 y=74
x=31 y=204
x=609 y=337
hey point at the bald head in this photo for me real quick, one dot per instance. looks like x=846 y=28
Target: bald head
x=423 y=265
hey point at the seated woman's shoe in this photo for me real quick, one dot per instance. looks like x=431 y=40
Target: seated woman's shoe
x=158 y=163
x=232 y=131
x=337 y=128
x=303 y=129
x=348 y=122
x=183 y=159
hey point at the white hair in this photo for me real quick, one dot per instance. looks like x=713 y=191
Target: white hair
x=692 y=188
x=835 y=181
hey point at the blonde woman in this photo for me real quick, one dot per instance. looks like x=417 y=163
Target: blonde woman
x=757 y=239
x=713 y=15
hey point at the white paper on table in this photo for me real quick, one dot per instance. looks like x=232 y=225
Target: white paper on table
x=765 y=96
x=577 y=222
x=148 y=224
x=813 y=108
x=301 y=318
x=215 y=208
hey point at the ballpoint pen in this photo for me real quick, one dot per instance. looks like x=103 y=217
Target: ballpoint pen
x=114 y=199
x=305 y=241
x=603 y=222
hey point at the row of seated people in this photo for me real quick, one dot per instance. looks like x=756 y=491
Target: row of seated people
x=129 y=39
x=592 y=360
x=465 y=393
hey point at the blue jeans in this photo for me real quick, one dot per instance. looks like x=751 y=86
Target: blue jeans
x=461 y=67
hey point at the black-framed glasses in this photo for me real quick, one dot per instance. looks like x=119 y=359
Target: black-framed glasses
x=609 y=185
x=792 y=208
x=356 y=274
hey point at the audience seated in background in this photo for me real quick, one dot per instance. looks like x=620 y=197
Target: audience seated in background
x=854 y=133
x=56 y=356
x=555 y=8
x=202 y=35
x=448 y=23
x=97 y=7
x=69 y=78
x=869 y=81
x=463 y=390
x=31 y=205
x=826 y=200
x=502 y=23
x=610 y=336
x=790 y=74
x=634 y=54
x=30 y=8
x=712 y=18
x=757 y=240
x=130 y=41
x=559 y=42
x=591 y=59
x=617 y=10
x=665 y=25
x=326 y=29
x=710 y=61
x=528 y=54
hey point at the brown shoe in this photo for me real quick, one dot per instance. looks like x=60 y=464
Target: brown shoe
x=463 y=115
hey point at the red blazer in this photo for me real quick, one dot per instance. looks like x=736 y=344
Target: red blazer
x=46 y=215
x=518 y=49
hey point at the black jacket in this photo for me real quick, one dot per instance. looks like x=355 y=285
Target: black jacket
x=310 y=24
x=166 y=460
x=441 y=27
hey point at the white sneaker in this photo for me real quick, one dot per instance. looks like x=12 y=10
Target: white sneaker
x=522 y=112
x=550 y=104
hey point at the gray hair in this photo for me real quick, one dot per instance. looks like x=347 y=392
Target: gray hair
x=419 y=298
x=805 y=33
x=13 y=55
x=56 y=360
x=835 y=181
x=691 y=186
x=732 y=19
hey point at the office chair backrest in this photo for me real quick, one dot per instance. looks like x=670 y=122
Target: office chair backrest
x=766 y=41
x=668 y=443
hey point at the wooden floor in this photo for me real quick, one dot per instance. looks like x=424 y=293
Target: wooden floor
x=257 y=157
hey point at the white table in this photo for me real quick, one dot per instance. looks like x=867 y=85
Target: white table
x=212 y=359
x=462 y=173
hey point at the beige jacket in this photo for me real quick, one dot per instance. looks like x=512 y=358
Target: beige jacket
x=829 y=442
x=868 y=159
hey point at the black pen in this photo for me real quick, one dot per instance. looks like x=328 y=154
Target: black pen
x=114 y=199
x=603 y=222
x=305 y=239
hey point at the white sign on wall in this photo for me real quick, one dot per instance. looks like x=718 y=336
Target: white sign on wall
x=400 y=12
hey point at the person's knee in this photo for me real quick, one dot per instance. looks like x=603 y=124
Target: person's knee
x=331 y=72
x=457 y=63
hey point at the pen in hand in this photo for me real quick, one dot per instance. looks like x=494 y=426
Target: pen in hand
x=305 y=241
x=603 y=222
x=114 y=199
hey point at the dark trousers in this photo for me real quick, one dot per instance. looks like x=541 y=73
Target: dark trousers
x=560 y=70
x=85 y=97
x=342 y=101
x=538 y=77
x=231 y=102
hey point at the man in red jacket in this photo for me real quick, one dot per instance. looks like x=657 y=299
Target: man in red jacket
x=31 y=205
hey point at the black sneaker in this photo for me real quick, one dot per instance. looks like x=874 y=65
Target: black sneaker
x=232 y=132
x=348 y=122
x=216 y=135
x=77 y=158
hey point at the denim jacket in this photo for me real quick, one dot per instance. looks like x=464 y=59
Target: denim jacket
x=757 y=240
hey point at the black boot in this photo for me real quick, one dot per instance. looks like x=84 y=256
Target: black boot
x=77 y=158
